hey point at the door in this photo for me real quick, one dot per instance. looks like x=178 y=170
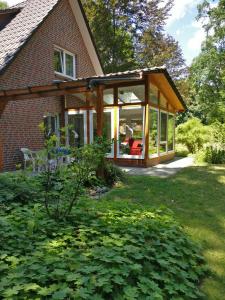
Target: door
x=77 y=128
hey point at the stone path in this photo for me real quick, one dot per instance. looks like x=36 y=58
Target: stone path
x=162 y=170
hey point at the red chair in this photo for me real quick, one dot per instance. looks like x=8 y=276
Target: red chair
x=136 y=147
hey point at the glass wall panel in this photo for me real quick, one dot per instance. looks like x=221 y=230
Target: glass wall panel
x=76 y=129
x=153 y=132
x=131 y=94
x=107 y=130
x=130 y=131
x=171 y=124
x=163 y=132
x=163 y=101
x=108 y=97
x=153 y=94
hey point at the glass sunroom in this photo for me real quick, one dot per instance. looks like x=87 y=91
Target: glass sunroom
x=135 y=110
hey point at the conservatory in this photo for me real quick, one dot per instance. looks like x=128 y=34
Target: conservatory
x=135 y=110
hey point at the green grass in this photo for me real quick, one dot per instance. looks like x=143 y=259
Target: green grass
x=197 y=197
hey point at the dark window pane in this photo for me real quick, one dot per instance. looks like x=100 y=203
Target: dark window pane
x=163 y=132
x=76 y=130
x=69 y=65
x=153 y=94
x=170 y=133
x=58 y=61
x=153 y=132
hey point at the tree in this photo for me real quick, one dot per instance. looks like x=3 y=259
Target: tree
x=160 y=49
x=130 y=34
x=3 y=4
x=207 y=73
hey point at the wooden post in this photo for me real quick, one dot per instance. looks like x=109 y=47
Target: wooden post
x=146 y=125
x=159 y=124
x=99 y=110
x=116 y=122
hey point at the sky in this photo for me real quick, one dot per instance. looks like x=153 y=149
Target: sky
x=182 y=25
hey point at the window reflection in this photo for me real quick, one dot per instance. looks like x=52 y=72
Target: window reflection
x=153 y=132
x=131 y=94
x=171 y=124
x=163 y=132
x=131 y=131
x=154 y=94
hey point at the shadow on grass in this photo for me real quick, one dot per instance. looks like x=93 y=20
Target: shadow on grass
x=196 y=196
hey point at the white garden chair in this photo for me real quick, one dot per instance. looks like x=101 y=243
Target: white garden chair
x=28 y=158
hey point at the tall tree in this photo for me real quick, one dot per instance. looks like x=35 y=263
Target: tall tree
x=161 y=49
x=207 y=73
x=3 y=4
x=128 y=34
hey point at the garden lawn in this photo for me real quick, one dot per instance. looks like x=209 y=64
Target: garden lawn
x=197 y=197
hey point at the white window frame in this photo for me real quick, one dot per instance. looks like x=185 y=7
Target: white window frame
x=158 y=133
x=166 y=152
x=76 y=112
x=59 y=49
x=171 y=151
x=111 y=110
x=143 y=134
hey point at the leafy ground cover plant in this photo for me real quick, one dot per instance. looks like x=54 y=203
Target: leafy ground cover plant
x=18 y=187
x=113 y=251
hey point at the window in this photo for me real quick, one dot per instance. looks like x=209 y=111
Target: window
x=77 y=128
x=163 y=132
x=107 y=130
x=51 y=124
x=130 y=132
x=154 y=94
x=153 y=132
x=131 y=94
x=108 y=97
x=171 y=129
x=163 y=101
x=64 y=63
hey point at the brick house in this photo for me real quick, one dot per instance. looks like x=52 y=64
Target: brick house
x=50 y=70
x=33 y=35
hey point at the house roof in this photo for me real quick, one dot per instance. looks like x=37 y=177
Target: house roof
x=159 y=76
x=31 y=14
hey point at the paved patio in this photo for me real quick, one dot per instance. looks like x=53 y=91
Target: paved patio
x=162 y=170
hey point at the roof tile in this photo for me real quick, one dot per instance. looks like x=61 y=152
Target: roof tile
x=17 y=32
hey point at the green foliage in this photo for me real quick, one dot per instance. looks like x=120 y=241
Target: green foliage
x=193 y=134
x=127 y=39
x=113 y=252
x=214 y=150
x=18 y=187
x=113 y=174
x=63 y=184
x=3 y=4
x=214 y=155
x=207 y=72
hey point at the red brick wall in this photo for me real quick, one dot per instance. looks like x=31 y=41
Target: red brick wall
x=34 y=66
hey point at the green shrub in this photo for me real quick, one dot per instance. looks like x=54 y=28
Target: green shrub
x=18 y=187
x=193 y=134
x=101 y=254
x=214 y=155
x=113 y=174
x=181 y=150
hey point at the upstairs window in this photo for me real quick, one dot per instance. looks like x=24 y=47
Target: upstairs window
x=64 y=63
